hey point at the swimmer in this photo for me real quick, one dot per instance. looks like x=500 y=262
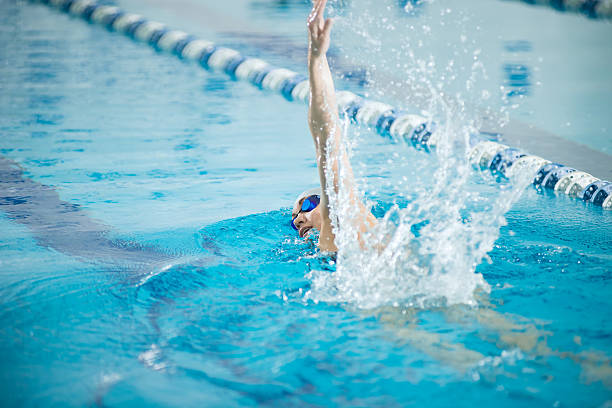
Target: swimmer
x=311 y=209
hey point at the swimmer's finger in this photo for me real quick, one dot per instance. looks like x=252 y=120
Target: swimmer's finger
x=327 y=28
x=321 y=12
x=312 y=18
x=322 y=4
x=316 y=15
x=313 y=12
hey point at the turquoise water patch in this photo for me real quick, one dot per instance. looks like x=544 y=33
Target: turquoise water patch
x=134 y=273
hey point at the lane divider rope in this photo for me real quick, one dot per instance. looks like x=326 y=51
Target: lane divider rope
x=596 y=9
x=388 y=121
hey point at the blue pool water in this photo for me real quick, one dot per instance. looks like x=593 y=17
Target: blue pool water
x=146 y=257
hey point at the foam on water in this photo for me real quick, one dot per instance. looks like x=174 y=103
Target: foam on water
x=437 y=227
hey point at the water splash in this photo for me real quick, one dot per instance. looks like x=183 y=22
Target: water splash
x=423 y=252
x=439 y=220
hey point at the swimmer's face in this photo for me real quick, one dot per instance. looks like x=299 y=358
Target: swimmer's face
x=306 y=221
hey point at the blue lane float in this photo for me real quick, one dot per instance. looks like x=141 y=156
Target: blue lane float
x=388 y=121
x=597 y=9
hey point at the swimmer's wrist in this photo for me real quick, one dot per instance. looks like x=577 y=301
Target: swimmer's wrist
x=315 y=55
x=316 y=60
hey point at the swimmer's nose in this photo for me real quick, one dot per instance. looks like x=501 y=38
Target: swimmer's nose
x=299 y=221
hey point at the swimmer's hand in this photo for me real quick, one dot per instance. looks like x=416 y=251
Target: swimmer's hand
x=318 y=29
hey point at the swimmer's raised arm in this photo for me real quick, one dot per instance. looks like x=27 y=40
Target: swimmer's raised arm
x=323 y=117
x=324 y=124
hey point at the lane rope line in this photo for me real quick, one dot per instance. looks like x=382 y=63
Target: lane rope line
x=388 y=121
x=595 y=9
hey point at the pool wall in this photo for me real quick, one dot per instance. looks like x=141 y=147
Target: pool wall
x=416 y=130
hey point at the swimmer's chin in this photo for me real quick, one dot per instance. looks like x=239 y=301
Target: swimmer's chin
x=304 y=232
x=308 y=233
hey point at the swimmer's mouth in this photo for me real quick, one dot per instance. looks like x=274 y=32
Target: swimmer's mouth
x=304 y=230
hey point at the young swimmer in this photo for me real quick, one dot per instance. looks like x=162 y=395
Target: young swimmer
x=311 y=209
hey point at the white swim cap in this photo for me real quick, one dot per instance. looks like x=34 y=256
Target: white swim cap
x=308 y=193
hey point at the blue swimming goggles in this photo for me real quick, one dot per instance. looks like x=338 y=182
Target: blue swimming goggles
x=309 y=204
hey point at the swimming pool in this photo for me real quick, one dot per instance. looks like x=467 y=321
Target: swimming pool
x=146 y=257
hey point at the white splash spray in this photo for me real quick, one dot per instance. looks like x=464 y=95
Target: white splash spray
x=438 y=226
